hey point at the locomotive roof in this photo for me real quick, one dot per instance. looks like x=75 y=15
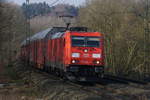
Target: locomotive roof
x=79 y=29
x=40 y=35
x=37 y=36
x=51 y=31
x=43 y=34
x=25 y=42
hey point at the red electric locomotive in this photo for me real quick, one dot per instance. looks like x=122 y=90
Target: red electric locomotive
x=73 y=53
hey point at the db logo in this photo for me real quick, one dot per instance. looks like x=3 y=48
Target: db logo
x=85 y=55
x=83 y=61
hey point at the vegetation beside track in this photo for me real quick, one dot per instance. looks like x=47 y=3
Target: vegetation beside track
x=125 y=24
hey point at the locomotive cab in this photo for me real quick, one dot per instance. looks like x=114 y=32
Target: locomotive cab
x=86 y=54
x=86 y=50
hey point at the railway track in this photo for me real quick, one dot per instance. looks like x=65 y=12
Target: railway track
x=109 y=86
x=101 y=87
x=125 y=80
x=94 y=88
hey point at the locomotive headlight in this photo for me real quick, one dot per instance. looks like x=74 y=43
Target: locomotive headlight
x=97 y=62
x=96 y=55
x=75 y=55
x=73 y=61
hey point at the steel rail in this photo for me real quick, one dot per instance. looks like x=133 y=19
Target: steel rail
x=124 y=79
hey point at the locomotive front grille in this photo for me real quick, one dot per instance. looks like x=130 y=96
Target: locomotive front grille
x=85 y=70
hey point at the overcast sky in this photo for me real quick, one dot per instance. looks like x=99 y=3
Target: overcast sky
x=72 y=2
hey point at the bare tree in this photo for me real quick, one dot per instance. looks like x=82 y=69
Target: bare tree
x=11 y=30
x=122 y=23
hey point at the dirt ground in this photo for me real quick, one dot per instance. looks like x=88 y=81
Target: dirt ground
x=1 y=71
x=36 y=85
x=3 y=77
x=12 y=88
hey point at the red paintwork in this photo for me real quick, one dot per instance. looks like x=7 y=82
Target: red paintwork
x=85 y=60
x=58 y=51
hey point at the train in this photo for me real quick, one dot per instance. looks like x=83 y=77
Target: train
x=75 y=53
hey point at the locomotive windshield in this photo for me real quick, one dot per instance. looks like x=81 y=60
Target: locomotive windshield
x=93 y=42
x=78 y=41
x=85 y=41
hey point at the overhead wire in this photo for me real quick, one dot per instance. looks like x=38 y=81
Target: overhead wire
x=55 y=2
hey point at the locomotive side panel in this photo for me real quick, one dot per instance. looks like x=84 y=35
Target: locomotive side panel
x=67 y=50
x=48 y=53
x=56 y=53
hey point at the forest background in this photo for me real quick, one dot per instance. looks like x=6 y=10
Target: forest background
x=124 y=23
